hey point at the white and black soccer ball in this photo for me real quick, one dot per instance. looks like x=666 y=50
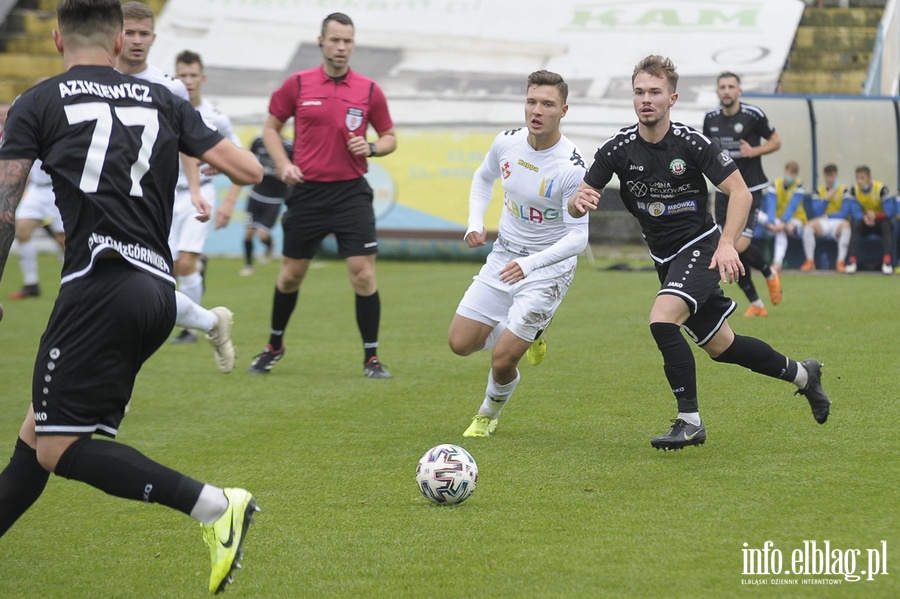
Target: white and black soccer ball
x=447 y=474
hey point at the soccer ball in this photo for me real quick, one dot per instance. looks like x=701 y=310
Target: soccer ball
x=447 y=474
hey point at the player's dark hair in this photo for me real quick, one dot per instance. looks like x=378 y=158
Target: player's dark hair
x=550 y=78
x=830 y=169
x=89 y=22
x=337 y=17
x=726 y=75
x=189 y=57
x=864 y=169
x=138 y=11
x=657 y=66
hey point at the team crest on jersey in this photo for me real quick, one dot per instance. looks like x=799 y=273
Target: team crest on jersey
x=505 y=170
x=678 y=167
x=739 y=128
x=656 y=209
x=354 y=118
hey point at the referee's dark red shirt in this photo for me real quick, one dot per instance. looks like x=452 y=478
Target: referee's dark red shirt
x=325 y=112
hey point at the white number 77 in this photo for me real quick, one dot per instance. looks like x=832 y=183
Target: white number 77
x=130 y=116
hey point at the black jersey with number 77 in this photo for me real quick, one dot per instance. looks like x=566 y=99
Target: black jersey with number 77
x=110 y=144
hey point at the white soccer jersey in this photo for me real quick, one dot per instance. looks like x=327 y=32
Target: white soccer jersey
x=154 y=75
x=537 y=185
x=217 y=120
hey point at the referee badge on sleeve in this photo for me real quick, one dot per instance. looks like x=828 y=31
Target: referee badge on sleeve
x=354 y=118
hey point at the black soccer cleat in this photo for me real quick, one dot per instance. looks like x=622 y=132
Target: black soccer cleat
x=26 y=292
x=264 y=361
x=815 y=394
x=681 y=435
x=374 y=369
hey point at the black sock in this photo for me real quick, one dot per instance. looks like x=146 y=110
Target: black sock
x=21 y=483
x=759 y=357
x=282 y=307
x=678 y=364
x=746 y=285
x=753 y=258
x=123 y=471
x=368 y=315
x=248 y=251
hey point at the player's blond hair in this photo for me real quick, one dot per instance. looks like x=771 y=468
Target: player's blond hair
x=138 y=11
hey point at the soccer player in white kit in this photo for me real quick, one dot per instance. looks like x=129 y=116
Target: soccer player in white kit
x=531 y=266
x=139 y=37
x=188 y=234
x=37 y=208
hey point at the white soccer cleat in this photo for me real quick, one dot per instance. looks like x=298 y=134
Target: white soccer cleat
x=220 y=338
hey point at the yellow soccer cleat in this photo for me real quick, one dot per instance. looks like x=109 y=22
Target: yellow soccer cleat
x=482 y=426
x=225 y=537
x=536 y=352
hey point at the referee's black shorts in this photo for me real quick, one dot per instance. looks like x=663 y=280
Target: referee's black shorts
x=102 y=328
x=343 y=208
x=688 y=276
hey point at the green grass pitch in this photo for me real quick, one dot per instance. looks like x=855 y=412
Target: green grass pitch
x=572 y=501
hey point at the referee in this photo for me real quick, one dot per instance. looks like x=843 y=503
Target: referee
x=332 y=108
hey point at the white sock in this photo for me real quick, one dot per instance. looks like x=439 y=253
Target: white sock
x=28 y=261
x=843 y=244
x=497 y=395
x=192 y=286
x=210 y=506
x=809 y=243
x=193 y=316
x=690 y=417
x=758 y=303
x=802 y=376
x=781 y=243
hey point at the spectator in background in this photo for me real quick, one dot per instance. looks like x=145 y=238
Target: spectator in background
x=832 y=205
x=784 y=205
x=873 y=210
x=744 y=131
x=263 y=205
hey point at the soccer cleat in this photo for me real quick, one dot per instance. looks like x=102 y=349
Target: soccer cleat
x=681 y=435
x=374 y=369
x=850 y=268
x=185 y=336
x=536 y=352
x=813 y=391
x=225 y=537
x=220 y=339
x=26 y=292
x=482 y=426
x=754 y=310
x=246 y=271
x=841 y=266
x=264 y=361
x=808 y=266
x=774 y=285
x=887 y=269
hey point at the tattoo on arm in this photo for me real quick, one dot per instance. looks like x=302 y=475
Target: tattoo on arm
x=13 y=176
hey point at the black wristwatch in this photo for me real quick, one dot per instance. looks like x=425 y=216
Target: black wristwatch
x=373 y=150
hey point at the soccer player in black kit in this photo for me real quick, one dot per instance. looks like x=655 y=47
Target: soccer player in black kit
x=745 y=133
x=661 y=166
x=110 y=143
